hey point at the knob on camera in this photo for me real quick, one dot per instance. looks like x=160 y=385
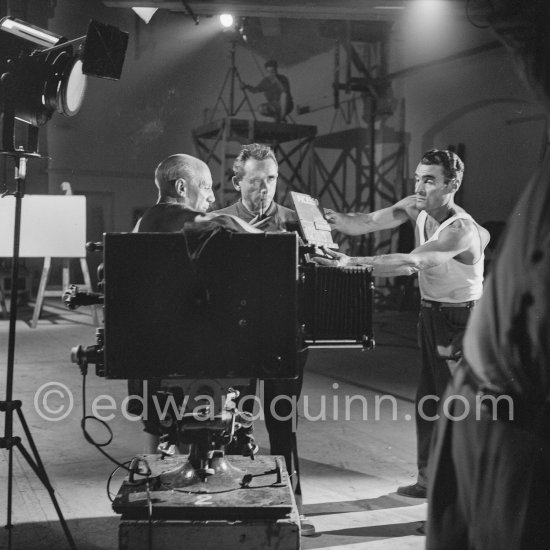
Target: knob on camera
x=86 y=355
x=75 y=298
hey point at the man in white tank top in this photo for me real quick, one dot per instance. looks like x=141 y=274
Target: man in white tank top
x=449 y=261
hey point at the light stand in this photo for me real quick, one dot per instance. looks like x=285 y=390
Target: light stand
x=41 y=75
x=9 y=405
x=231 y=75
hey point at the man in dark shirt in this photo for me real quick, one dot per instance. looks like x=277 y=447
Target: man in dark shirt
x=276 y=88
x=256 y=173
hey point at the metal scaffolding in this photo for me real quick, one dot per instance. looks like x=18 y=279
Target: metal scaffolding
x=358 y=170
x=362 y=168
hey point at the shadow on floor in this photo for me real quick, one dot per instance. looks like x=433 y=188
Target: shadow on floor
x=100 y=533
x=384 y=502
x=342 y=536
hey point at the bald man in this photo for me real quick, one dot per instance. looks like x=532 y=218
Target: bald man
x=185 y=191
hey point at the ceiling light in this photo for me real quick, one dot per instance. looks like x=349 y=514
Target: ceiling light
x=226 y=19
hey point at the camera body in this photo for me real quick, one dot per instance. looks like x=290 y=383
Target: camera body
x=225 y=306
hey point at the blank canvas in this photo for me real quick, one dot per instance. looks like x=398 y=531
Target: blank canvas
x=51 y=225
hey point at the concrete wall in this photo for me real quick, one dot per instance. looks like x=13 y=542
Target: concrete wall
x=479 y=102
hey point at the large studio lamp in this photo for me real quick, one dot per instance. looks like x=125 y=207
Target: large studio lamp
x=42 y=74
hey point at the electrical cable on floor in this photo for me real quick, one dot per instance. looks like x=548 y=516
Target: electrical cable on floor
x=99 y=446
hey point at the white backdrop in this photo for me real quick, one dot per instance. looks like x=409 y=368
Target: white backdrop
x=51 y=225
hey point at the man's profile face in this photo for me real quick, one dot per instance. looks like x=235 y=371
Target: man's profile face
x=431 y=188
x=258 y=184
x=199 y=193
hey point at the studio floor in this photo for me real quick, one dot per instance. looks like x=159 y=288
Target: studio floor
x=356 y=439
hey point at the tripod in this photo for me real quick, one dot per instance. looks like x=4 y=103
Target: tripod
x=231 y=75
x=10 y=406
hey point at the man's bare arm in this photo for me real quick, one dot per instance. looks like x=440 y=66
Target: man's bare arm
x=454 y=240
x=386 y=218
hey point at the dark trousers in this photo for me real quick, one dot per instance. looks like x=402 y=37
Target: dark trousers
x=440 y=332
x=273 y=109
x=282 y=433
x=489 y=474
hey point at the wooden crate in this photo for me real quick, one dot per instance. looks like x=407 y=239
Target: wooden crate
x=263 y=514
x=282 y=534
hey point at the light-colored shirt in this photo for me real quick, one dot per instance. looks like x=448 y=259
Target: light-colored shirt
x=452 y=281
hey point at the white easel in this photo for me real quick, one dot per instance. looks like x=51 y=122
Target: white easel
x=52 y=226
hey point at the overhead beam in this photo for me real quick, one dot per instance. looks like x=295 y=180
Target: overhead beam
x=488 y=46
x=292 y=9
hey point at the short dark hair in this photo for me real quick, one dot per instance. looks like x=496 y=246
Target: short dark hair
x=271 y=63
x=453 y=167
x=255 y=151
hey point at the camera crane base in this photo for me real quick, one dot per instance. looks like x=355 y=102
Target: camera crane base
x=259 y=511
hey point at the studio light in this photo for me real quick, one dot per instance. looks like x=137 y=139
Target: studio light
x=226 y=19
x=41 y=74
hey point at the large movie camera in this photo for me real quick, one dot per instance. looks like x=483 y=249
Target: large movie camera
x=240 y=308
x=217 y=311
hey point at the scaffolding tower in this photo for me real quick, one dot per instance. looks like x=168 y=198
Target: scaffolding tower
x=362 y=168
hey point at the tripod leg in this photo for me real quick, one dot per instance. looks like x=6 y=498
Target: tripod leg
x=9 y=525
x=40 y=471
x=37 y=462
x=245 y=95
x=43 y=477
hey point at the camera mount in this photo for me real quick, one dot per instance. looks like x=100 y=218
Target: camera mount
x=210 y=429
